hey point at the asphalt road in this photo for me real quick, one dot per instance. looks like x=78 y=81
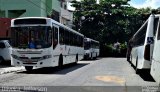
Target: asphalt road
x=101 y=75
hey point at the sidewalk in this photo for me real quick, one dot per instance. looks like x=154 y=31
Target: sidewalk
x=8 y=69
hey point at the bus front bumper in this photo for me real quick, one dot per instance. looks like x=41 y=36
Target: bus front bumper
x=50 y=62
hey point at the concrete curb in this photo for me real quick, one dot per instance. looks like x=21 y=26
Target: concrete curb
x=10 y=69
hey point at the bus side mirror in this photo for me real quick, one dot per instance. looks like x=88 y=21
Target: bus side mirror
x=2 y=46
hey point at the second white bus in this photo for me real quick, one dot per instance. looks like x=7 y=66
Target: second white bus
x=91 y=48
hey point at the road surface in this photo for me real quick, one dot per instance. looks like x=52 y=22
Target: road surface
x=103 y=74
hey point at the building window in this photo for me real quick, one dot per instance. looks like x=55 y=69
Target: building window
x=55 y=15
x=65 y=6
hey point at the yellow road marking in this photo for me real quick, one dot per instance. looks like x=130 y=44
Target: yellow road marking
x=114 y=79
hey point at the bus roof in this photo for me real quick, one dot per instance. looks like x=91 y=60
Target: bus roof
x=156 y=16
x=55 y=22
x=62 y=25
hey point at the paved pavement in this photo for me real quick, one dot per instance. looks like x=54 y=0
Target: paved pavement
x=7 y=68
x=102 y=75
x=10 y=69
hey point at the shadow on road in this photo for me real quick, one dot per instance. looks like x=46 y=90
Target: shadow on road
x=55 y=70
x=91 y=59
x=5 y=64
x=145 y=75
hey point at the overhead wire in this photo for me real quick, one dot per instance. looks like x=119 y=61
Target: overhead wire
x=39 y=6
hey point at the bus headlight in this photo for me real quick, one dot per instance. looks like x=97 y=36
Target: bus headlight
x=86 y=53
x=47 y=56
x=14 y=56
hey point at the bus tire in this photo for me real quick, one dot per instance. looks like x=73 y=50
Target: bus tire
x=1 y=60
x=95 y=57
x=29 y=68
x=137 y=70
x=60 y=63
x=91 y=56
x=131 y=61
x=76 y=60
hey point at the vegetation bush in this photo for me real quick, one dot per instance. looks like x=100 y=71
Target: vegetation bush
x=108 y=50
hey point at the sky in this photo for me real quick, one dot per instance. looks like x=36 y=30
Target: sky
x=72 y=8
x=154 y=4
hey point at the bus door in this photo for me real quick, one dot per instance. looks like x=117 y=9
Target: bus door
x=55 y=33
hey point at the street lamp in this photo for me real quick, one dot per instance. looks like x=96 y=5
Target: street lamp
x=83 y=19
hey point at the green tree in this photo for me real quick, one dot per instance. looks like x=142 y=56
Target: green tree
x=114 y=20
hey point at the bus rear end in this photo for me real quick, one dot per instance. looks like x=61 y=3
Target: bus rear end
x=142 y=41
x=155 y=66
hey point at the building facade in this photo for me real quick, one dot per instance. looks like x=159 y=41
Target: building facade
x=55 y=9
x=66 y=16
x=29 y=8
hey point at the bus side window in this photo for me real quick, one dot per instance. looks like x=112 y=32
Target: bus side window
x=66 y=38
x=81 y=41
x=155 y=26
x=55 y=37
x=139 y=38
x=61 y=35
x=71 y=38
x=158 y=36
x=49 y=36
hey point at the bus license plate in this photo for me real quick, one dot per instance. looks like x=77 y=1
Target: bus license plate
x=29 y=61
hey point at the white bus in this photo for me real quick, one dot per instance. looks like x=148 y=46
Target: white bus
x=142 y=44
x=43 y=42
x=155 y=66
x=91 y=48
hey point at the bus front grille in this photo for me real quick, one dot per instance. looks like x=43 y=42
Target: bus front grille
x=29 y=63
x=29 y=52
x=32 y=59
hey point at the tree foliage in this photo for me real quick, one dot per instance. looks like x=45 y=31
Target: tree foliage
x=113 y=20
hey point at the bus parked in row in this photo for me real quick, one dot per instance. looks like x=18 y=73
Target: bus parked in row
x=142 y=44
x=43 y=42
x=155 y=66
x=91 y=48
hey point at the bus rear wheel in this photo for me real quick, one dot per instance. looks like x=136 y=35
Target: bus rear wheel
x=29 y=68
x=96 y=55
x=76 y=60
x=1 y=60
x=137 y=70
x=60 y=63
x=131 y=61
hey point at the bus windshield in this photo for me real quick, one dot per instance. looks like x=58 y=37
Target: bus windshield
x=87 y=45
x=32 y=37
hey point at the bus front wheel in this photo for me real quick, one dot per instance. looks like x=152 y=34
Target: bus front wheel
x=95 y=57
x=29 y=68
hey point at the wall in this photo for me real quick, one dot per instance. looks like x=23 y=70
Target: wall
x=5 y=27
x=23 y=8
